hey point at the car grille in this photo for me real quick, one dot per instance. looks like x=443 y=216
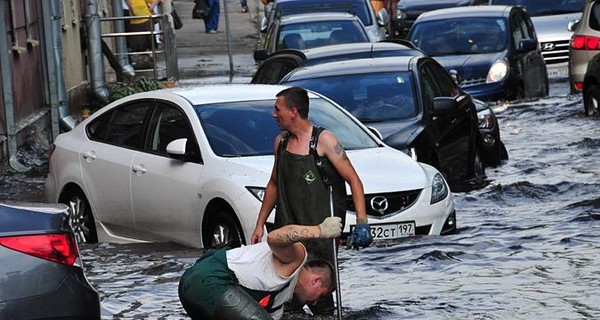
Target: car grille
x=471 y=82
x=396 y=202
x=555 y=52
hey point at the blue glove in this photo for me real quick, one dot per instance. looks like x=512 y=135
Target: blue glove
x=360 y=237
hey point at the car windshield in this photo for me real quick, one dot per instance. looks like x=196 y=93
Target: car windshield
x=248 y=129
x=314 y=34
x=460 y=36
x=546 y=7
x=371 y=97
x=358 y=8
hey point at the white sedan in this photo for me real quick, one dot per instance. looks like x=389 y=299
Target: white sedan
x=190 y=165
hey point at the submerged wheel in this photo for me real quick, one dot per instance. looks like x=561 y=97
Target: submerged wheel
x=591 y=100
x=80 y=216
x=222 y=231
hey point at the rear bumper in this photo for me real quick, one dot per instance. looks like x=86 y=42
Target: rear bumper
x=74 y=298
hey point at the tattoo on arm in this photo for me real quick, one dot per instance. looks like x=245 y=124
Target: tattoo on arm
x=292 y=235
x=339 y=149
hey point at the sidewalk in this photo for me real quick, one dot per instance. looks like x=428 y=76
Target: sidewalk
x=201 y=55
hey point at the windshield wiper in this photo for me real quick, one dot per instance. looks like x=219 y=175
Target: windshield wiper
x=369 y=120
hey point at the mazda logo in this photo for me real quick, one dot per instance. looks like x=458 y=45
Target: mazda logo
x=379 y=204
x=548 y=46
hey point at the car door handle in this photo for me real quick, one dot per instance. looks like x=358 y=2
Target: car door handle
x=89 y=156
x=139 y=169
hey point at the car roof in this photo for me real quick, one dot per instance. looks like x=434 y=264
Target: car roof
x=357 y=66
x=317 y=16
x=348 y=48
x=466 y=12
x=198 y=95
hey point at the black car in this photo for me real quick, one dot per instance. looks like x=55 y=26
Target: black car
x=41 y=273
x=591 y=87
x=280 y=63
x=493 y=151
x=493 y=49
x=407 y=11
x=413 y=103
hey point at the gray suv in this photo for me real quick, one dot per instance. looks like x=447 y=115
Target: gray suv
x=585 y=44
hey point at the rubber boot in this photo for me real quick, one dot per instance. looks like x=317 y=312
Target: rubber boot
x=236 y=304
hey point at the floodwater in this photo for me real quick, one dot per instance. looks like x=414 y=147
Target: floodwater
x=528 y=244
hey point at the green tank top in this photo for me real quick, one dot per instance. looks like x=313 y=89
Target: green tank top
x=303 y=196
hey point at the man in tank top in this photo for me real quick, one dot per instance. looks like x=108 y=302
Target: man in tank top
x=253 y=282
x=309 y=159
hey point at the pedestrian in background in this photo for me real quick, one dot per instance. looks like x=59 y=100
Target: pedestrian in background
x=244 y=4
x=211 y=23
x=308 y=160
x=141 y=8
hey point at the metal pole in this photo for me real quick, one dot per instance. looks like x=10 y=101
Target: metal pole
x=338 y=291
x=228 y=33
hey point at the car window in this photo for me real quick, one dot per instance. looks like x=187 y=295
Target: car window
x=358 y=8
x=595 y=16
x=460 y=36
x=122 y=126
x=168 y=124
x=436 y=82
x=370 y=97
x=319 y=33
x=521 y=28
x=271 y=71
x=546 y=7
x=248 y=128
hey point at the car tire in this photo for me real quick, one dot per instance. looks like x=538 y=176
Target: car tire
x=478 y=168
x=222 y=231
x=591 y=100
x=81 y=218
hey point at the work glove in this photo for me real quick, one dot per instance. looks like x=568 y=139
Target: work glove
x=331 y=227
x=360 y=237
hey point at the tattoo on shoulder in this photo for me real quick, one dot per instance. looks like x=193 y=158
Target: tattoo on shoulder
x=339 y=149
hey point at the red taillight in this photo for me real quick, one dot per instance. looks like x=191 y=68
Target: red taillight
x=579 y=86
x=60 y=248
x=585 y=43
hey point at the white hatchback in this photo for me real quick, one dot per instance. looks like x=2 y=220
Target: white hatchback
x=190 y=165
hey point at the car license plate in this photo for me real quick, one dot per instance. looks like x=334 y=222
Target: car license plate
x=391 y=230
x=560 y=72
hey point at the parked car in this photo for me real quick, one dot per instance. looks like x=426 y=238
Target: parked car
x=41 y=272
x=591 y=87
x=551 y=19
x=494 y=50
x=190 y=165
x=280 y=63
x=311 y=30
x=375 y=22
x=412 y=102
x=407 y=11
x=585 y=44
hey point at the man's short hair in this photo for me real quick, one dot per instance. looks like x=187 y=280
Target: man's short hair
x=324 y=269
x=296 y=97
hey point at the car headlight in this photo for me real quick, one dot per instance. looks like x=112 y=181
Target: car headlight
x=257 y=192
x=498 y=71
x=486 y=121
x=400 y=15
x=439 y=190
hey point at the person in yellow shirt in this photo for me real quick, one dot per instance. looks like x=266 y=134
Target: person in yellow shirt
x=141 y=8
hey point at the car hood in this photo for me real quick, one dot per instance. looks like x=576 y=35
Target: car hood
x=552 y=28
x=398 y=135
x=420 y=5
x=470 y=66
x=380 y=169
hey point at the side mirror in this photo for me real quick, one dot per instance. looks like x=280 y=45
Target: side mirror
x=444 y=106
x=383 y=17
x=260 y=55
x=526 y=45
x=176 y=148
x=573 y=25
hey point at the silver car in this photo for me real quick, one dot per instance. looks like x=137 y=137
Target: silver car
x=585 y=44
x=551 y=19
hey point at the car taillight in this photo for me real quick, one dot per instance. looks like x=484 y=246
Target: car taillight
x=60 y=248
x=585 y=43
